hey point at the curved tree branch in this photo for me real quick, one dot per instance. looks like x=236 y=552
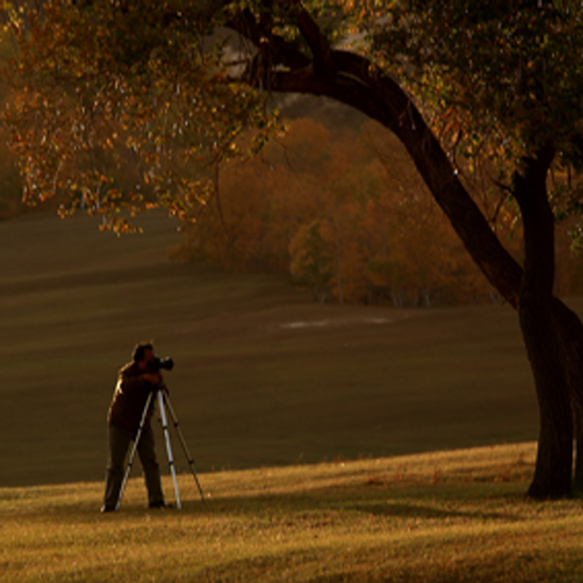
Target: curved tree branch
x=351 y=79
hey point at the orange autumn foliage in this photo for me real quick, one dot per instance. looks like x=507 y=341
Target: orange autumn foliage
x=343 y=214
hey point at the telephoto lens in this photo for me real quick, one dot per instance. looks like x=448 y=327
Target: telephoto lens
x=155 y=364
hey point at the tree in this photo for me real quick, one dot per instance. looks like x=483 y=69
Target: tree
x=312 y=264
x=100 y=78
x=519 y=86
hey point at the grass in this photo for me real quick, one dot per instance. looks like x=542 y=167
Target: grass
x=263 y=375
x=305 y=421
x=438 y=517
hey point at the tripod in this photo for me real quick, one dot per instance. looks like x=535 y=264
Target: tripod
x=164 y=403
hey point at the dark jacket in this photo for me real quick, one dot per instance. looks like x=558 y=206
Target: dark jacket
x=129 y=399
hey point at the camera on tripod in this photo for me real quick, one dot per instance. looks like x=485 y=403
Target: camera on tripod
x=156 y=364
x=160 y=392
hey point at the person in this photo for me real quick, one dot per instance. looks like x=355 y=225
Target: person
x=135 y=382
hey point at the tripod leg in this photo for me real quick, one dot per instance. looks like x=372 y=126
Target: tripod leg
x=168 y=447
x=133 y=452
x=183 y=442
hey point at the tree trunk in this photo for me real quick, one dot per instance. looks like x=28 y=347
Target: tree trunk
x=552 y=477
x=552 y=334
x=570 y=330
x=557 y=378
x=548 y=339
x=539 y=326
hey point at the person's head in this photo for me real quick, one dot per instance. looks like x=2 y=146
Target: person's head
x=143 y=353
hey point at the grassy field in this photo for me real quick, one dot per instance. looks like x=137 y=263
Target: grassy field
x=306 y=423
x=427 y=518
x=263 y=375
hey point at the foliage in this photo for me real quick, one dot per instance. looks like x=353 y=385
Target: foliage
x=499 y=80
x=343 y=213
x=121 y=106
x=124 y=106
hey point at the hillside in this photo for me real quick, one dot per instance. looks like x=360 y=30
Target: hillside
x=263 y=376
x=446 y=517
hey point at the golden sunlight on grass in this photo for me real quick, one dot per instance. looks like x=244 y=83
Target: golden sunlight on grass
x=448 y=516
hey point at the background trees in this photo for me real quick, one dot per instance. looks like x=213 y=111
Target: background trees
x=326 y=207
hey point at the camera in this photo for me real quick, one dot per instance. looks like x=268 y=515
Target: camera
x=156 y=363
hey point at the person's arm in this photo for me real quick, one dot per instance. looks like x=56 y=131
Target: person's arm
x=133 y=383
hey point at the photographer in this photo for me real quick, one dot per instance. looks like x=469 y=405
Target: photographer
x=135 y=382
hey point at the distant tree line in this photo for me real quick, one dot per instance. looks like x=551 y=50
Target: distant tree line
x=346 y=215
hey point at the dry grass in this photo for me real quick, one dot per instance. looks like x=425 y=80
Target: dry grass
x=450 y=517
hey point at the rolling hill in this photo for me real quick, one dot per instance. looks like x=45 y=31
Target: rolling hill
x=263 y=375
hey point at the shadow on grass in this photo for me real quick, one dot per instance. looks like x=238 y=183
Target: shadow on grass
x=419 y=502
x=429 y=503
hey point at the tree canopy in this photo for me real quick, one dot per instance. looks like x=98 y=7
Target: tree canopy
x=502 y=81
x=165 y=88
x=123 y=106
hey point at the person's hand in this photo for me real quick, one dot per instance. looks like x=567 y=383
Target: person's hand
x=154 y=378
